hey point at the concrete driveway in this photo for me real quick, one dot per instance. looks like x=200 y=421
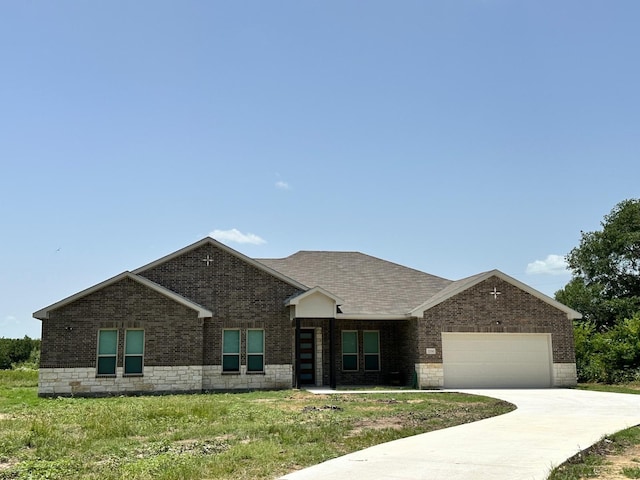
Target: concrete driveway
x=548 y=427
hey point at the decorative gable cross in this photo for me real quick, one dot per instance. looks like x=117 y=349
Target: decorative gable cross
x=208 y=260
x=495 y=293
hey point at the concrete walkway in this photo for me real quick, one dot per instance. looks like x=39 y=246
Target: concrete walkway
x=548 y=427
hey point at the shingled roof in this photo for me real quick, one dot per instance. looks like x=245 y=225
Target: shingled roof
x=368 y=285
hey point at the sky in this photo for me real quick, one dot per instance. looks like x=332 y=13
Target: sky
x=450 y=137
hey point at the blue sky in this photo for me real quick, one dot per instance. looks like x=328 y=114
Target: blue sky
x=452 y=137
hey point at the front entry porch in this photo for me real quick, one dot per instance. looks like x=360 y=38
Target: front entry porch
x=344 y=352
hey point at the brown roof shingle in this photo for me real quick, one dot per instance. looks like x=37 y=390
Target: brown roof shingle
x=368 y=285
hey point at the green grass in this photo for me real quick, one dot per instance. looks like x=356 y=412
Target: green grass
x=589 y=462
x=257 y=435
x=633 y=387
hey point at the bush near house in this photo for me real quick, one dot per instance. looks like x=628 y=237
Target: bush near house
x=605 y=289
x=612 y=356
x=19 y=351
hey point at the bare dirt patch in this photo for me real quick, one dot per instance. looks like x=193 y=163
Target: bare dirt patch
x=615 y=464
x=395 y=423
x=7 y=465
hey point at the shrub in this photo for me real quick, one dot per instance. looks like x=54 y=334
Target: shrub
x=612 y=356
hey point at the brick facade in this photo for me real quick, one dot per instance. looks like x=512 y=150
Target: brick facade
x=239 y=294
x=512 y=311
x=183 y=303
x=396 y=357
x=173 y=332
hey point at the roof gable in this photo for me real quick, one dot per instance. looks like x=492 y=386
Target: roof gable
x=202 y=312
x=460 y=286
x=225 y=248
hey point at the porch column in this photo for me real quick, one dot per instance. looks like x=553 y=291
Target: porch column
x=332 y=353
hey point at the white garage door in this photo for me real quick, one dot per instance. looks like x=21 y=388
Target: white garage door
x=496 y=360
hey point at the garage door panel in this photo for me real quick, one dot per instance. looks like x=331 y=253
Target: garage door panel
x=496 y=360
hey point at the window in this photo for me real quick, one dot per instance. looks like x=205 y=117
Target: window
x=231 y=350
x=107 y=351
x=133 y=352
x=371 y=344
x=255 y=350
x=349 y=350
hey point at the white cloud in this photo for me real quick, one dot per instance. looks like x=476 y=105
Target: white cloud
x=282 y=185
x=236 y=236
x=552 y=265
x=10 y=320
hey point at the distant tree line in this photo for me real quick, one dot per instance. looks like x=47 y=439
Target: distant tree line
x=15 y=352
x=605 y=288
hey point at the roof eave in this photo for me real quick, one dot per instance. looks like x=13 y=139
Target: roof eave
x=43 y=314
x=227 y=249
x=295 y=300
x=374 y=316
x=571 y=314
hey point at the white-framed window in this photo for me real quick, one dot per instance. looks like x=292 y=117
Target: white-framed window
x=107 y=352
x=349 y=350
x=231 y=350
x=371 y=349
x=133 y=352
x=255 y=350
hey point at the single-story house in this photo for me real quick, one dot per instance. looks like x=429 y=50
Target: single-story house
x=208 y=318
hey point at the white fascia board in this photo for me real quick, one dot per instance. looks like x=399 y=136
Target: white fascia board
x=44 y=313
x=296 y=300
x=202 y=312
x=373 y=316
x=437 y=299
x=225 y=248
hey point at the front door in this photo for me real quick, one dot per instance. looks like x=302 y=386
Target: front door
x=306 y=347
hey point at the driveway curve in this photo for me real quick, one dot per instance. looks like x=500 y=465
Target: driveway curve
x=548 y=427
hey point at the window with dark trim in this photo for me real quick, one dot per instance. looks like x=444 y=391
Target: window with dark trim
x=107 y=352
x=371 y=348
x=255 y=350
x=133 y=352
x=231 y=350
x=349 y=350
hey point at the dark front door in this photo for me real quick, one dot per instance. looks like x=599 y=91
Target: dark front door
x=307 y=374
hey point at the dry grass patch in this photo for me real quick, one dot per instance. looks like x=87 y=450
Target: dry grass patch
x=259 y=435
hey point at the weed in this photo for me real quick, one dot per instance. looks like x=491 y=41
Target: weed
x=631 y=472
x=258 y=435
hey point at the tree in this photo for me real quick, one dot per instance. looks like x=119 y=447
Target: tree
x=17 y=350
x=605 y=286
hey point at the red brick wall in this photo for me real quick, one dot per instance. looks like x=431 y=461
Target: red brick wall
x=513 y=311
x=396 y=351
x=239 y=295
x=173 y=332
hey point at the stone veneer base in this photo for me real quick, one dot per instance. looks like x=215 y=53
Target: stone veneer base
x=180 y=379
x=431 y=375
x=565 y=375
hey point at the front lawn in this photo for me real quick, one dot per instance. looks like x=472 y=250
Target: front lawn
x=259 y=435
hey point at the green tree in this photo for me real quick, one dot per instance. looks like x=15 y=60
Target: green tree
x=17 y=350
x=605 y=286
